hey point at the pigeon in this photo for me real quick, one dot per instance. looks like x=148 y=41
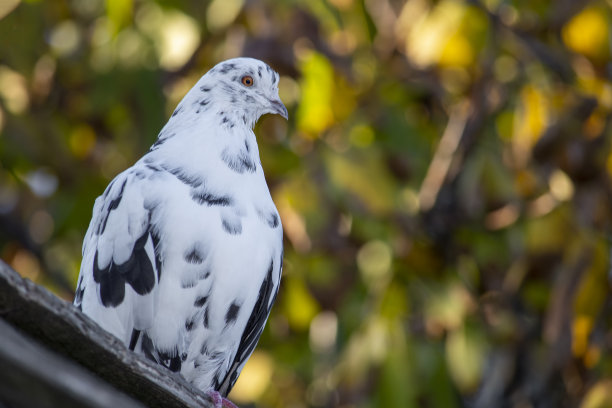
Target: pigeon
x=183 y=257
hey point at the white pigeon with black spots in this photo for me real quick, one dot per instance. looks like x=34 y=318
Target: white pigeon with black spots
x=183 y=256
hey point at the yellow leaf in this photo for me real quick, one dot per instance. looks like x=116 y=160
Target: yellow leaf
x=81 y=140
x=581 y=329
x=593 y=287
x=588 y=33
x=449 y=34
x=599 y=396
x=592 y=292
x=300 y=306
x=314 y=113
x=465 y=356
x=531 y=118
x=457 y=50
x=119 y=13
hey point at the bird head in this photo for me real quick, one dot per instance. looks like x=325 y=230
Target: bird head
x=244 y=88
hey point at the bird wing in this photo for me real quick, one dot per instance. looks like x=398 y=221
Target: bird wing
x=120 y=267
x=255 y=325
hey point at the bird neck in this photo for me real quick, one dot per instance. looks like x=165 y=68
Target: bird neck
x=204 y=141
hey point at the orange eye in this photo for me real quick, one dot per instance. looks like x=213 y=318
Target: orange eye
x=247 y=80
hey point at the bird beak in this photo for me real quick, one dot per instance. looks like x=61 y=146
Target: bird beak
x=276 y=106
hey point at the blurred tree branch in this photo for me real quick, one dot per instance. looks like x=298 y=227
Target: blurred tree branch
x=556 y=63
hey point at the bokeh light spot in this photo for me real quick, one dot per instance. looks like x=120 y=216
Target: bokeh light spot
x=175 y=35
x=361 y=135
x=254 y=379
x=374 y=262
x=465 y=356
x=26 y=264
x=288 y=90
x=221 y=13
x=41 y=226
x=42 y=182
x=13 y=90
x=6 y=6
x=561 y=186
x=323 y=332
x=505 y=68
x=65 y=38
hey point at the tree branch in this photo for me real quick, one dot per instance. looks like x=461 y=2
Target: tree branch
x=32 y=376
x=61 y=327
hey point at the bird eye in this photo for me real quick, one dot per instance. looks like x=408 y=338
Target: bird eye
x=247 y=80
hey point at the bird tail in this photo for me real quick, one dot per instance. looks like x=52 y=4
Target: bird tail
x=142 y=343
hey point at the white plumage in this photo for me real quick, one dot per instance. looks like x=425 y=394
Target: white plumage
x=183 y=256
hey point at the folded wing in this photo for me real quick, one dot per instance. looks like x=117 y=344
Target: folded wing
x=120 y=267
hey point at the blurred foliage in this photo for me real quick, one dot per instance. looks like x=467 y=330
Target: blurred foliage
x=443 y=181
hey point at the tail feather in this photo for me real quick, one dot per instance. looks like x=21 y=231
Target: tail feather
x=171 y=360
x=134 y=339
